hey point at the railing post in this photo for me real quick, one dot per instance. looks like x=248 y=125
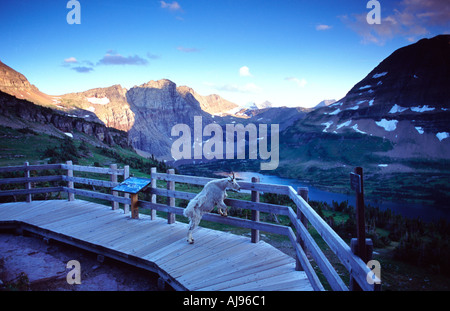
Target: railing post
x=113 y=167
x=71 y=196
x=255 y=214
x=126 y=174
x=27 y=184
x=353 y=285
x=304 y=193
x=134 y=206
x=170 y=200
x=153 y=198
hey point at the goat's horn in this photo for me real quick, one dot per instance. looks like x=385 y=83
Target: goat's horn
x=233 y=175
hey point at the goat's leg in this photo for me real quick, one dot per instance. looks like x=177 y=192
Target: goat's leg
x=221 y=206
x=190 y=239
x=193 y=223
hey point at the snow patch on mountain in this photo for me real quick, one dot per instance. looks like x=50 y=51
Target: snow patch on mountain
x=419 y=129
x=388 y=125
x=442 y=135
x=344 y=124
x=396 y=108
x=335 y=112
x=422 y=109
x=355 y=127
x=98 y=101
x=327 y=125
x=379 y=75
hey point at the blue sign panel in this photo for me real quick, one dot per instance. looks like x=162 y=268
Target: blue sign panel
x=133 y=185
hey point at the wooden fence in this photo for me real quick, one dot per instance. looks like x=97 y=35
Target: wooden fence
x=298 y=234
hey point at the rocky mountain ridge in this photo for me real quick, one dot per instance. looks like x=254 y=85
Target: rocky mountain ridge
x=405 y=99
x=20 y=113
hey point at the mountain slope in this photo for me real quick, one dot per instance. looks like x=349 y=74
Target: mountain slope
x=107 y=104
x=15 y=83
x=405 y=99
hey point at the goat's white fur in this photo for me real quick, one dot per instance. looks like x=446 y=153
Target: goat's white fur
x=211 y=195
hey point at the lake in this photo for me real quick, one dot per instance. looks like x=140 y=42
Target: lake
x=424 y=212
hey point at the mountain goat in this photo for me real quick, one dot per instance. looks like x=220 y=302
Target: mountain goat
x=211 y=195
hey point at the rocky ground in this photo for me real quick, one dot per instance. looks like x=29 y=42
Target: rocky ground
x=29 y=263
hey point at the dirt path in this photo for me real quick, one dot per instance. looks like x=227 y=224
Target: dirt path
x=29 y=263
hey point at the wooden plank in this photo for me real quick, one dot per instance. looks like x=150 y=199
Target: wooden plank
x=30 y=191
x=34 y=211
x=256 y=281
x=217 y=259
x=257 y=206
x=68 y=214
x=249 y=262
x=129 y=226
x=155 y=246
x=171 y=200
x=97 y=195
x=19 y=180
x=222 y=248
x=306 y=265
x=92 y=169
x=153 y=196
x=134 y=206
x=90 y=181
x=337 y=245
x=70 y=184
x=255 y=214
x=194 y=180
x=17 y=211
x=6 y=169
x=155 y=237
x=321 y=260
x=106 y=228
x=132 y=241
x=114 y=204
x=242 y=260
x=74 y=218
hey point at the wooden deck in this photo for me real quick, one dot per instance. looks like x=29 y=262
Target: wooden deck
x=217 y=260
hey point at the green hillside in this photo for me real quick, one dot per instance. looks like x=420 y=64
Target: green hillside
x=25 y=145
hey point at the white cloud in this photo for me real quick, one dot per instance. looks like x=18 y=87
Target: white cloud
x=71 y=60
x=174 y=6
x=117 y=59
x=300 y=82
x=244 y=71
x=410 y=19
x=323 y=27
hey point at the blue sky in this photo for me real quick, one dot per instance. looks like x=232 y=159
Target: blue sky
x=289 y=52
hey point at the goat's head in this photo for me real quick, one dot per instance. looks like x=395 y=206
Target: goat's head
x=232 y=184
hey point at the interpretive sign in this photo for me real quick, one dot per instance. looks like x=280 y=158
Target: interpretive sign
x=133 y=185
x=355 y=182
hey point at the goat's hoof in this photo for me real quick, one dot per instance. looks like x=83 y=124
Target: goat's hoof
x=191 y=241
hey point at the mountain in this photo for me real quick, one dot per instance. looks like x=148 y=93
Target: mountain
x=325 y=103
x=212 y=104
x=15 y=83
x=146 y=112
x=108 y=104
x=405 y=99
x=158 y=106
x=22 y=114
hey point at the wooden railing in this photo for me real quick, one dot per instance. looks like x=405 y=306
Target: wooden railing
x=298 y=234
